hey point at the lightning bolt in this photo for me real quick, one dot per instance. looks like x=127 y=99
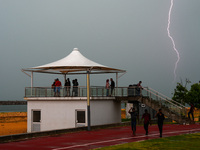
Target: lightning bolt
x=169 y=35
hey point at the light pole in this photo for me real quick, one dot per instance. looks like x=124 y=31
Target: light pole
x=88 y=100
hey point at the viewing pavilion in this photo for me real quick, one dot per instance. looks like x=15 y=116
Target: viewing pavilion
x=46 y=112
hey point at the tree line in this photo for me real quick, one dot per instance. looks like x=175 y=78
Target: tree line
x=185 y=96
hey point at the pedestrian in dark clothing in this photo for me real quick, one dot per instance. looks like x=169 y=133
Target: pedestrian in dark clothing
x=147 y=120
x=68 y=86
x=161 y=118
x=53 y=86
x=76 y=87
x=112 y=85
x=73 y=89
x=191 y=111
x=134 y=118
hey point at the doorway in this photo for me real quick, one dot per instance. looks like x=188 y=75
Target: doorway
x=80 y=118
x=36 y=121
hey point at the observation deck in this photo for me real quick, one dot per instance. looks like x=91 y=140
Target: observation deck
x=148 y=96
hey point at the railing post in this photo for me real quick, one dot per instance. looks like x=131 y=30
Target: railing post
x=150 y=98
x=160 y=103
x=31 y=83
x=116 y=82
x=91 y=92
x=45 y=92
x=147 y=91
x=156 y=96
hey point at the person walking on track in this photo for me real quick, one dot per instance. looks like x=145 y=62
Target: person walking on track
x=161 y=118
x=134 y=118
x=147 y=120
x=191 y=111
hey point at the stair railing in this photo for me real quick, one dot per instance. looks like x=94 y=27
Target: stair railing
x=166 y=101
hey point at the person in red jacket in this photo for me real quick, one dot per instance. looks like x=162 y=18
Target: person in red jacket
x=58 y=85
x=147 y=120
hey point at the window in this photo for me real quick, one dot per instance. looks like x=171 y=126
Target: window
x=36 y=116
x=81 y=116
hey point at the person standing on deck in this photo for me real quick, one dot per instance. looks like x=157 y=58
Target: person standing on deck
x=76 y=87
x=161 y=118
x=54 y=87
x=139 y=88
x=134 y=118
x=58 y=85
x=68 y=86
x=107 y=87
x=112 y=85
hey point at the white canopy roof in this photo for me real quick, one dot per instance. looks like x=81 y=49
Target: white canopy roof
x=74 y=63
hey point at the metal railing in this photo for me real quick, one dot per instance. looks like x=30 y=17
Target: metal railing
x=100 y=91
x=166 y=102
x=81 y=91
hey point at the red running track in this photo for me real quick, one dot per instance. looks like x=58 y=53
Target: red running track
x=98 y=138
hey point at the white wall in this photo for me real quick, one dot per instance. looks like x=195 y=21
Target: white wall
x=105 y=112
x=57 y=114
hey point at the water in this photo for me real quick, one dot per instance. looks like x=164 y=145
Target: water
x=13 y=108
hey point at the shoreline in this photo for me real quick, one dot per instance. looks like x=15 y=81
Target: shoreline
x=13 y=102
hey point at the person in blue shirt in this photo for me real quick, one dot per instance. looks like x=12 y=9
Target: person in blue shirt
x=134 y=118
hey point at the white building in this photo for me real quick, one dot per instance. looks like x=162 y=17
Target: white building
x=60 y=113
x=45 y=112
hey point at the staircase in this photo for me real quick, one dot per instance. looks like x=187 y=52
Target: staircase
x=170 y=108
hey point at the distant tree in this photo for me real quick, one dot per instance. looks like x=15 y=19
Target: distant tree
x=193 y=96
x=180 y=93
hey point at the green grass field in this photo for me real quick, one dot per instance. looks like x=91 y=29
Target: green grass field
x=181 y=142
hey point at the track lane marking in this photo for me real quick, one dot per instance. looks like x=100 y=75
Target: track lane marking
x=114 y=140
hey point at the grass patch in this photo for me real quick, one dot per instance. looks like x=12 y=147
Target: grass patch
x=181 y=142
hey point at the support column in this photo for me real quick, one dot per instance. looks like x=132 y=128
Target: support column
x=64 y=88
x=116 y=84
x=31 y=83
x=88 y=100
x=31 y=79
x=117 y=80
x=64 y=78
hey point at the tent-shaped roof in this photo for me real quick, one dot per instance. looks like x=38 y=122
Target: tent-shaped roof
x=74 y=63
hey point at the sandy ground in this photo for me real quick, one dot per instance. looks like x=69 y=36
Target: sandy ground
x=16 y=122
x=13 y=123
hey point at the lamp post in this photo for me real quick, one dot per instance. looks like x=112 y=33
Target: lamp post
x=88 y=100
